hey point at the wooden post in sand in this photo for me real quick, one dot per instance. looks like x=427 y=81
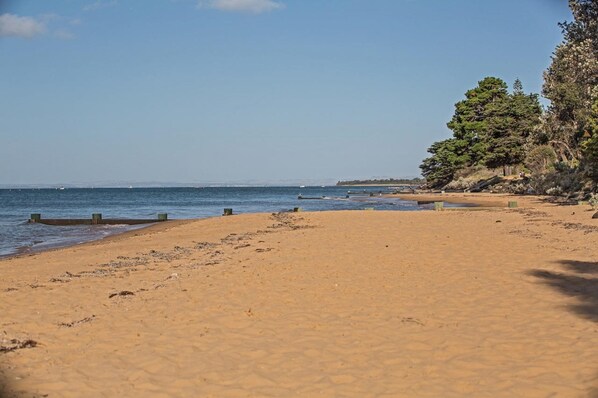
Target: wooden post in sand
x=296 y=209
x=35 y=217
x=438 y=206
x=512 y=204
x=96 y=218
x=228 y=212
x=162 y=216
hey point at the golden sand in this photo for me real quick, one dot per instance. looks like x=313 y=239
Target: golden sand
x=492 y=303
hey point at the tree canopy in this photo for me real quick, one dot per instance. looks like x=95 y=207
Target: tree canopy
x=497 y=129
x=490 y=127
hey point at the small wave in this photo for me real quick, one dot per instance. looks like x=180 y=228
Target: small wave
x=113 y=226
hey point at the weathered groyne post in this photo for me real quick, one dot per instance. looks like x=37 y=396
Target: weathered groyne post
x=162 y=216
x=438 y=206
x=96 y=218
x=35 y=217
x=512 y=204
x=228 y=212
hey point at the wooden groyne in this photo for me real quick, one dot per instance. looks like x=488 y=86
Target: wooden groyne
x=301 y=197
x=96 y=219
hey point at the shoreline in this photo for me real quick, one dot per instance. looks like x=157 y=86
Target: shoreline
x=31 y=251
x=477 y=198
x=479 y=201
x=131 y=232
x=498 y=302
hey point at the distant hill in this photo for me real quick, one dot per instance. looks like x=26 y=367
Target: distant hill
x=388 y=181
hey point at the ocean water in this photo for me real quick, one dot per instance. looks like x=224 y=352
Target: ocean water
x=19 y=236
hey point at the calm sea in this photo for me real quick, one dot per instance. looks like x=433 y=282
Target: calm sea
x=16 y=205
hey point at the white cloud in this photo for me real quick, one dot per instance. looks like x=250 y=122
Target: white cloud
x=251 y=6
x=14 y=25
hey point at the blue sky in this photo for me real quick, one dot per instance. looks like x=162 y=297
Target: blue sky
x=249 y=90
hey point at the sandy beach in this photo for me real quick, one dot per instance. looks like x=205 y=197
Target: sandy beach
x=491 y=303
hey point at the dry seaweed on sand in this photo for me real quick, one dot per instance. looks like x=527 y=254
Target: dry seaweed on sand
x=76 y=323
x=16 y=344
x=121 y=293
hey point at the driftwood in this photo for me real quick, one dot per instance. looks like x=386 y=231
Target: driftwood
x=485 y=183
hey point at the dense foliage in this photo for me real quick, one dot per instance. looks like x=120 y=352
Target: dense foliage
x=490 y=127
x=570 y=83
x=496 y=129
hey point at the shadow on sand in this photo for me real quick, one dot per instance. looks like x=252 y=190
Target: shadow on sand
x=580 y=281
x=5 y=389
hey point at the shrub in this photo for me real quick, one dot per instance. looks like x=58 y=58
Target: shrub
x=563 y=179
x=540 y=159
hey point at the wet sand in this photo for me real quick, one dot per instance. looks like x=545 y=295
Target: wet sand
x=489 y=303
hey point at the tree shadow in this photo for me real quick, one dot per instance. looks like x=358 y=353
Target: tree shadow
x=5 y=389
x=578 y=282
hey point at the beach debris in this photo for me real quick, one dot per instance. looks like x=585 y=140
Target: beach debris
x=59 y=280
x=10 y=289
x=168 y=257
x=96 y=273
x=125 y=262
x=180 y=249
x=121 y=293
x=533 y=213
x=595 y=215
x=76 y=323
x=577 y=226
x=242 y=246
x=64 y=278
x=412 y=320
x=260 y=250
x=16 y=344
x=204 y=245
x=249 y=313
x=174 y=275
x=235 y=238
x=35 y=286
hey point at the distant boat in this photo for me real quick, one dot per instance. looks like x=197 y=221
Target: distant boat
x=301 y=186
x=130 y=186
x=61 y=188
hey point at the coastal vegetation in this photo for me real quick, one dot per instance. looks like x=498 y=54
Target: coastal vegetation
x=553 y=150
x=387 y=181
